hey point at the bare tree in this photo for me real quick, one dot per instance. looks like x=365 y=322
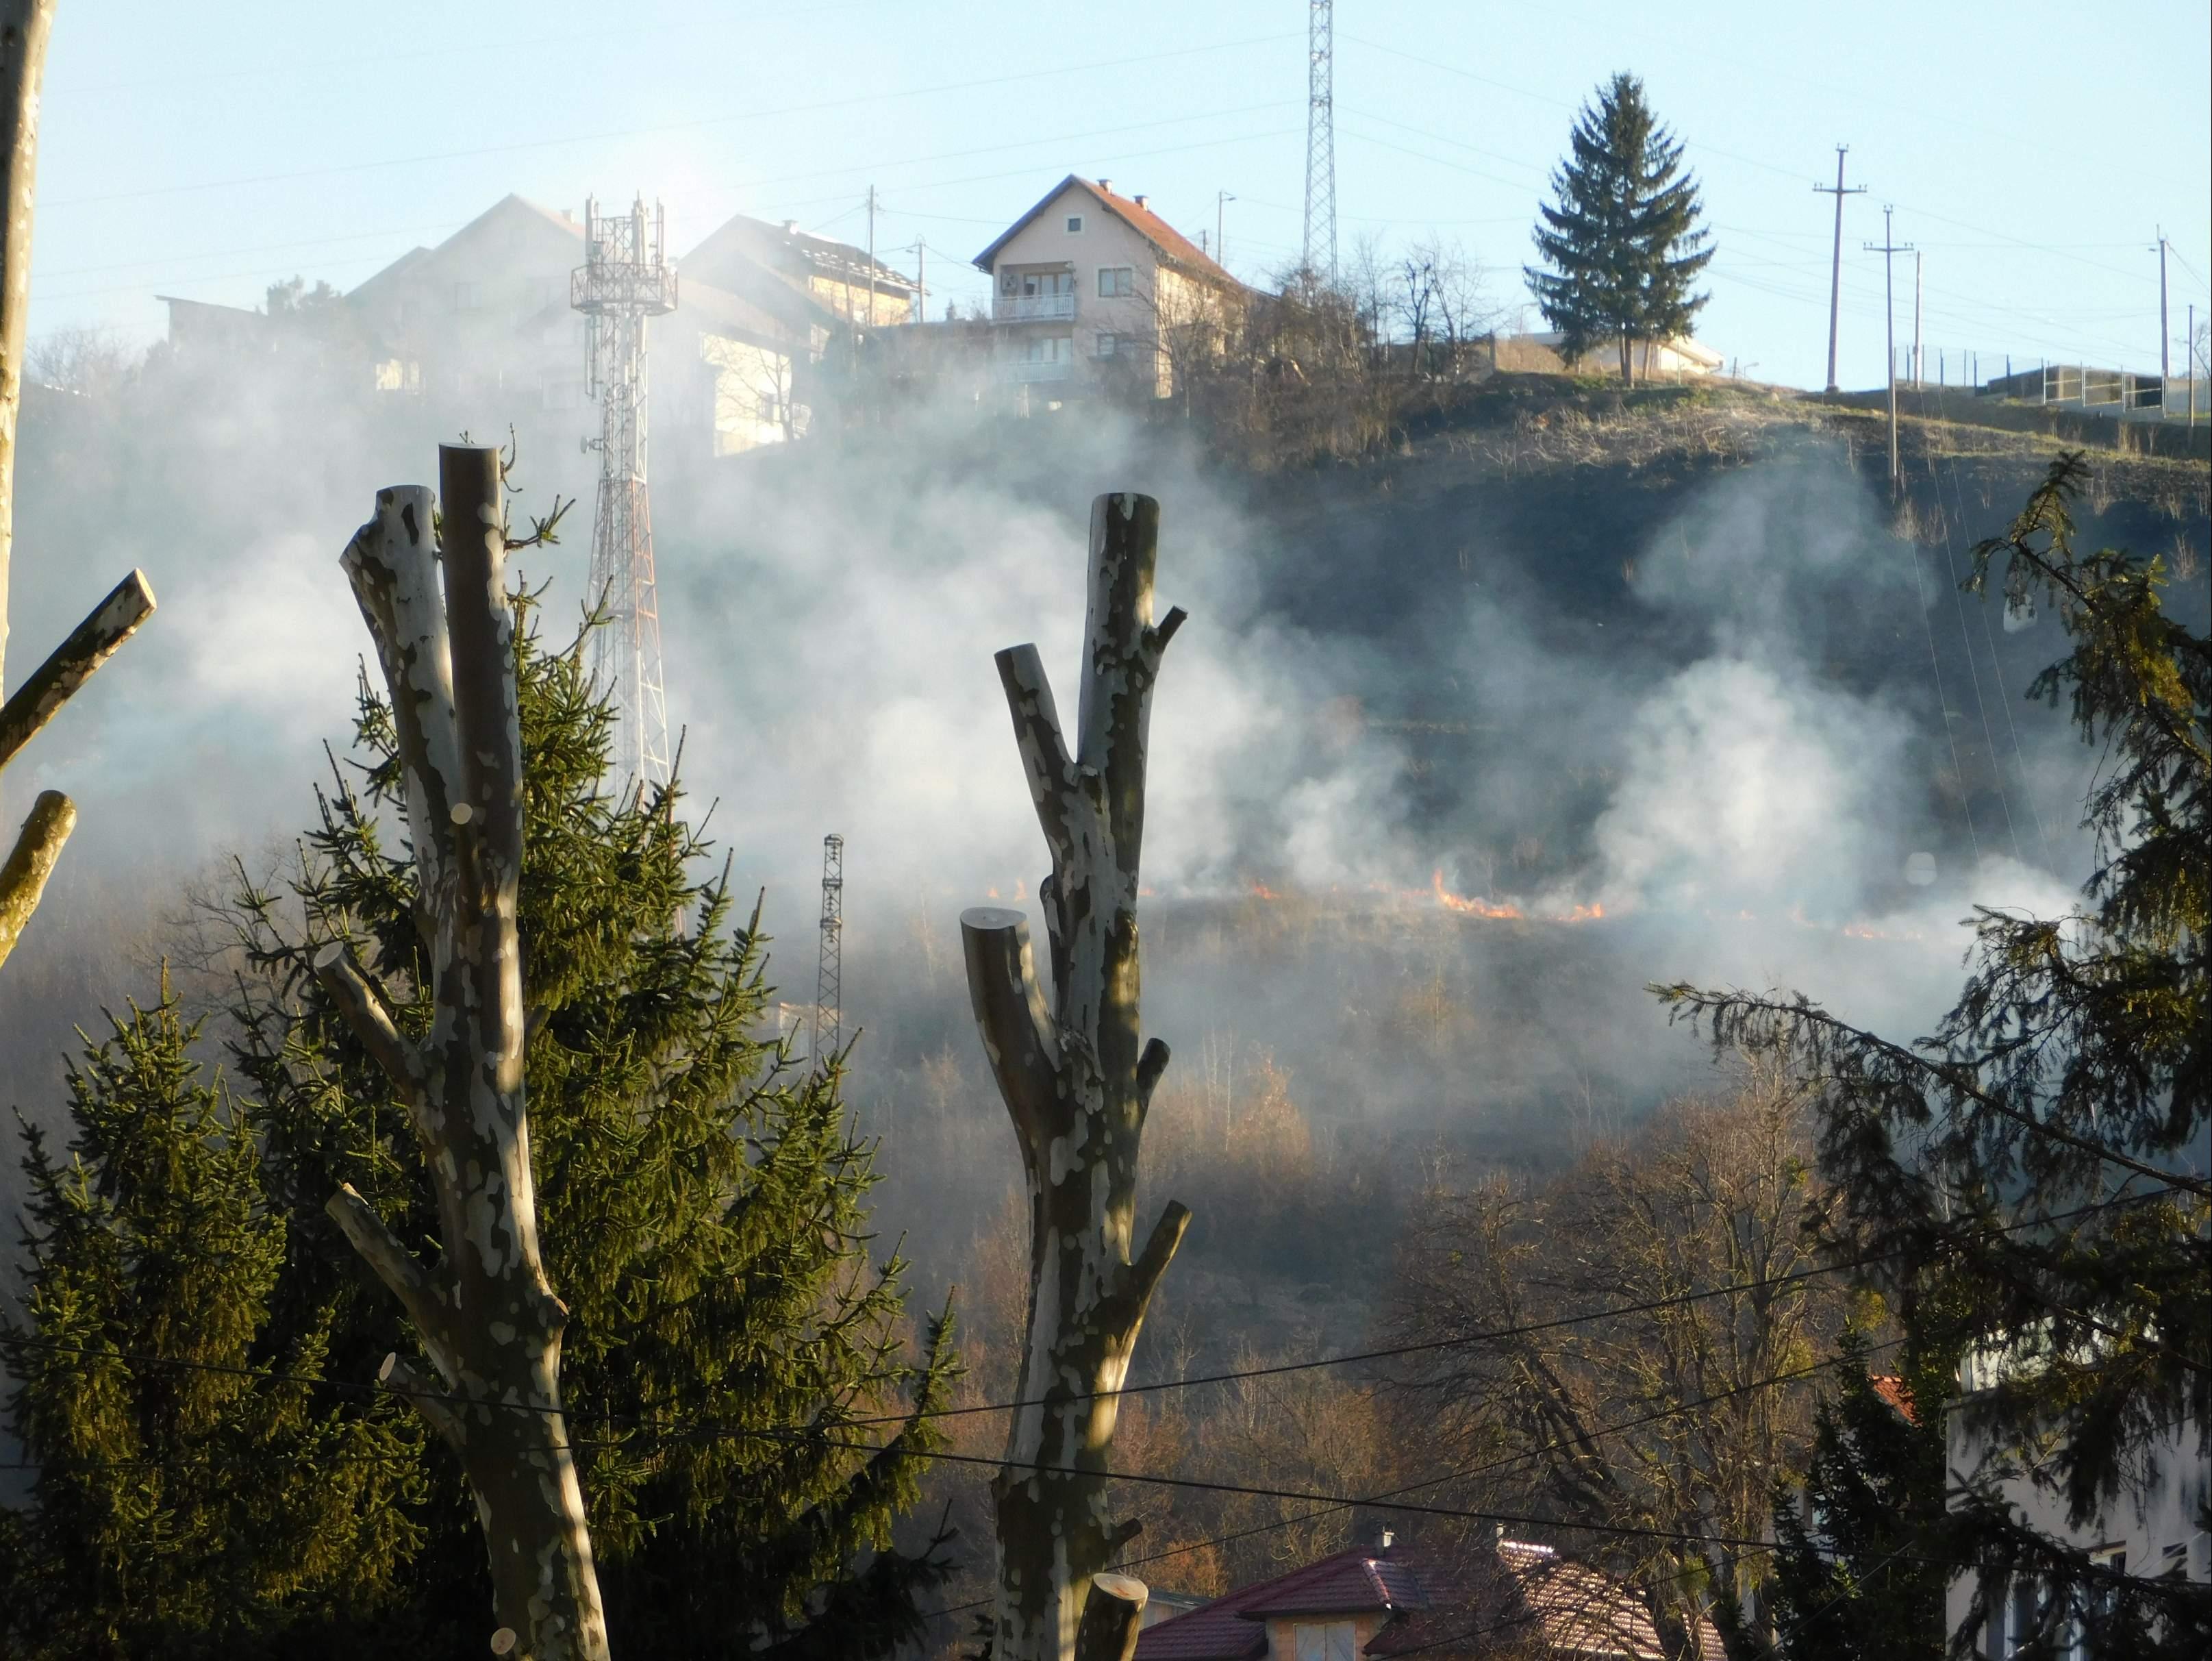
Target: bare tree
x=1713 y=1196
x=486 y=1315
x=25 y=27
x=1077 y=1085
x=88 y=360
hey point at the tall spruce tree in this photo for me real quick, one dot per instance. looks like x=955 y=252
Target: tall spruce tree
x=1621 y=236
x=196 y=1504
x=2034 y=1170
x=1858 y=1573
x=750 y=1425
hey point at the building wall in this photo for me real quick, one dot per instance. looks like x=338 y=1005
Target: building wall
x=1105 y=242
x=2148 y=1524
x=752 y=395
x=1282 y=1642
x=849 y=300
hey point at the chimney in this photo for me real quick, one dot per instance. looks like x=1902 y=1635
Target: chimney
x=1106 y=185
x=1383 y=1536
x=1138 y=200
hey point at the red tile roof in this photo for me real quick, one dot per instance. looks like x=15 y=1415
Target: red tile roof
x=1891 y=1388
x=1173 y=246
x=1434 y=1605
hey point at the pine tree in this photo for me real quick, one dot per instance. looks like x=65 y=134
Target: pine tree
x=2033 y=1169
x=1860 y=1577
x=750 y=1426
x=1622 y=239
x=185 y=1506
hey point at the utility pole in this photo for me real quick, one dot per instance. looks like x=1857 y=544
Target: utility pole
x=1836 y=267
x=830 y=974
x=871 y=255
x=1319 y=249
x=920 y=281
x=2164 y=330
x=1220 y=241
x=2189 y=356
x=1889 y=249
x=1917 y=365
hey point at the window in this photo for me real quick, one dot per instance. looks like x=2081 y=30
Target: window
x=467 y=297
x=1109 y=345
x=1338 y=1640
x=1075 y=224
x=1049 y=348
x=1048 y=283
x=1116 y=282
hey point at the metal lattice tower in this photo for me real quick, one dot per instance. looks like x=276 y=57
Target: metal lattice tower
x=624 y=280
x=1320 y=251
x=830 y=978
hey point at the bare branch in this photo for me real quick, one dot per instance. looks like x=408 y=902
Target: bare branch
x=1144 y=1274
x=23 y=879
x=369 y=1019
x=1018 y=1036
x=1046 y=762
x=1150 y=1065
x=393 y=1264
x=71 y=664
x=395 y=1376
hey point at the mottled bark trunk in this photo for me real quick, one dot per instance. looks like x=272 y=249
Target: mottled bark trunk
x=1077 y=1084
x=486 y=1316
x=25 y=27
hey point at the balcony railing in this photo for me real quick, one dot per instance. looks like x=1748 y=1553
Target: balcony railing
x=1022 y=370
x=1033 y=308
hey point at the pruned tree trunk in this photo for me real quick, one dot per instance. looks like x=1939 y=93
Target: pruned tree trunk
x=1077 y=1084
x=486 y=1316
x=25 y=27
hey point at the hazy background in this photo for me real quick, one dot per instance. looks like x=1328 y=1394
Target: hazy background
x=2032 y=160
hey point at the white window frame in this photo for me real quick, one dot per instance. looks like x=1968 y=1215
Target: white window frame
x=1075 y=224
x=1108 y=343
x=1123 y=285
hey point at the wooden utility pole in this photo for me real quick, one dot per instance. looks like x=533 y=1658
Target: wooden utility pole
x=1077 y=1084
x=1888 y=249
x=1836 y=265
x=871 y=255
x=26 y=27
x=1221 y=199
x=920 y=281
x=438 y=611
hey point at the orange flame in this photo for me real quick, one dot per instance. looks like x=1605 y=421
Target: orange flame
x=1261 y=891
x=1452 y=902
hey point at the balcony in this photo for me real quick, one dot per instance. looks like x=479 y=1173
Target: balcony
x=1022 y=370
x=1033 y=308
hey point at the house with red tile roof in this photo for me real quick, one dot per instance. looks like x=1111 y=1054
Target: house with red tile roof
x=1093 y=290
x=1388 y=1600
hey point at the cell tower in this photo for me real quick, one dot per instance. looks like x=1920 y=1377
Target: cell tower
x=1321 y=140
x=624 y=280
x=830 y=978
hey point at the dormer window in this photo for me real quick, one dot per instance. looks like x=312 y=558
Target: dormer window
x=1075 y=224
x=1334 y=1640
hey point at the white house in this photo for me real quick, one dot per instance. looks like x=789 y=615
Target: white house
x=1091 y=290
x=2150 y=1530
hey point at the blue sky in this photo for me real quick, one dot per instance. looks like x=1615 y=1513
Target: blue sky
x=2032 y=150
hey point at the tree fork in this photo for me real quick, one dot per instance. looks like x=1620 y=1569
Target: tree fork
x=487 y=1317
x=1077 y=1081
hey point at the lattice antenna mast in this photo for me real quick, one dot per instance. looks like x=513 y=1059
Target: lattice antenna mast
x=624 y=281
x=1319 y=253
x=830 y=978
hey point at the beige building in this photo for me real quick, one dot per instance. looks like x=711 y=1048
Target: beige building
x=1092 y=291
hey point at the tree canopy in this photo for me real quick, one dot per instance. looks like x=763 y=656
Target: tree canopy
x=1620 y=236
x=749 y=1416
x=2033 y=1171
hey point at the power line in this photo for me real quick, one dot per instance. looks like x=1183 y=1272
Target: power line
x=871 y=99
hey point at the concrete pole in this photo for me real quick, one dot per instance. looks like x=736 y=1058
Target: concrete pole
x=1916 y=360
x=1836 y=266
